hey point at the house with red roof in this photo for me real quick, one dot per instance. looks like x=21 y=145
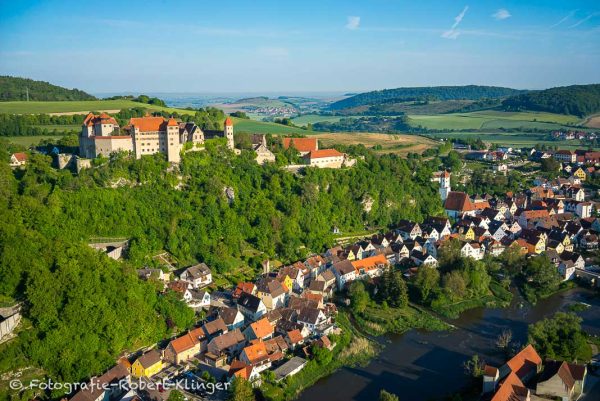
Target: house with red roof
x=18 y=159
x=325 y=158
x=507 y=381
x=458 y=204
x=302 y=145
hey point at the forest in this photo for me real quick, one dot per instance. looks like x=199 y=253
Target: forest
x=471 y=92
x=367 y=124
x=15 y=88
x=578 y=100
x=85 y=309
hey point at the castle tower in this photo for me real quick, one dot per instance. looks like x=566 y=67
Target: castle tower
x=445 y=185
x=228 y=133
x=173 y=142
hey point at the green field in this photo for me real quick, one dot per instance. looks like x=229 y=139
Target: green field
x=78 y=106
x=28 y=141
x=491 y=119
x=260 y=127
x=514 y=139
x=315 y=118
x=59 y=127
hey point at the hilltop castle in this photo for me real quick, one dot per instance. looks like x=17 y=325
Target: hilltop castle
x=101 y=135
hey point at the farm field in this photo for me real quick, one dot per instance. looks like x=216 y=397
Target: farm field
x=390 y=143
x=82 y=107
x=593 y=121
x=315 y=118
x=491 y=119
x=58 y=127
x=28 y=141
x=260 y=127
x=514 y=139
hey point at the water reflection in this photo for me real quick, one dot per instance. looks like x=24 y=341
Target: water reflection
x=422 y=366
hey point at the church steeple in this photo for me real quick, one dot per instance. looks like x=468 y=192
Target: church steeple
x=444 y=185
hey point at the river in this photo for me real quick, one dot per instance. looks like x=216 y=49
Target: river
x=421 y=366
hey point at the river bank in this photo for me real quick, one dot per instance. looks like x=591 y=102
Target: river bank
x=423 y=365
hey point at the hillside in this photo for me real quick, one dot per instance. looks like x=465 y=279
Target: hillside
x=14 y=88
x=577 y=100
x=469 y=92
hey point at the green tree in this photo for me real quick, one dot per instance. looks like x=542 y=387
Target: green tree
x=454 y=285
x=359 y=297
x=560 y=337
x=176 y=395
x=386 y=396
x=241 y=390
x=426 y=281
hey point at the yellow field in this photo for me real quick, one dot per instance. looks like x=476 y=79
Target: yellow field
x=390 y=143
x=593 y=122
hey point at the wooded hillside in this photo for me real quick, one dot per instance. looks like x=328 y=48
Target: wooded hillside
x=471 y=92
x=577 y=100
x=15 y=88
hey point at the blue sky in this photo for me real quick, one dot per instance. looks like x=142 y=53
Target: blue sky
x=286 y=45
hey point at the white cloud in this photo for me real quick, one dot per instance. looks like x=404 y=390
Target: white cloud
x=453 y=33
x=501 y=14
x=353 y=22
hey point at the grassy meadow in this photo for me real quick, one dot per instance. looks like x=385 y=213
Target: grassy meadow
x=494 y=120
x=28 y=141
x=78 y=107
x=261 y=127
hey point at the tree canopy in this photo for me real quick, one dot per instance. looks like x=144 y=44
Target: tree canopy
x=15 y=88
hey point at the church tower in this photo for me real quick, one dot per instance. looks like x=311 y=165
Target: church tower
x=445 y=185
x=228 y=133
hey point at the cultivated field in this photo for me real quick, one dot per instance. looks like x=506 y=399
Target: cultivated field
x=491 y=119
x=28 y=141
x=260 y=127
x=390 y=143
x=514 y=139
x=81 y=107
x=315 y=118
x=593 y=121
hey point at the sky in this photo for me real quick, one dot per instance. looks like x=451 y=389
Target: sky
x=299 y=46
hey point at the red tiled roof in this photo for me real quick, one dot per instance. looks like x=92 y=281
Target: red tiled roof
x=262 y=328
x=370 y=262
x=295 y=336
x=148 y=124
x=20 y=156
x=320 y=154
x=256 y=352
x=228 y=122
x=459 y=201
x=525 y=361
x=301 y=144
x=510 y=389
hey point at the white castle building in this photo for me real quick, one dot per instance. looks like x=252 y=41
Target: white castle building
x=101 y=135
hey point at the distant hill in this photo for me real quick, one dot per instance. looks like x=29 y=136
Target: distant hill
x=577 y=100
x=14 y=88
x=469 y=92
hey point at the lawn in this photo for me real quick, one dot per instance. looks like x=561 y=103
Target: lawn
x=78 y=107
x=491 y=119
